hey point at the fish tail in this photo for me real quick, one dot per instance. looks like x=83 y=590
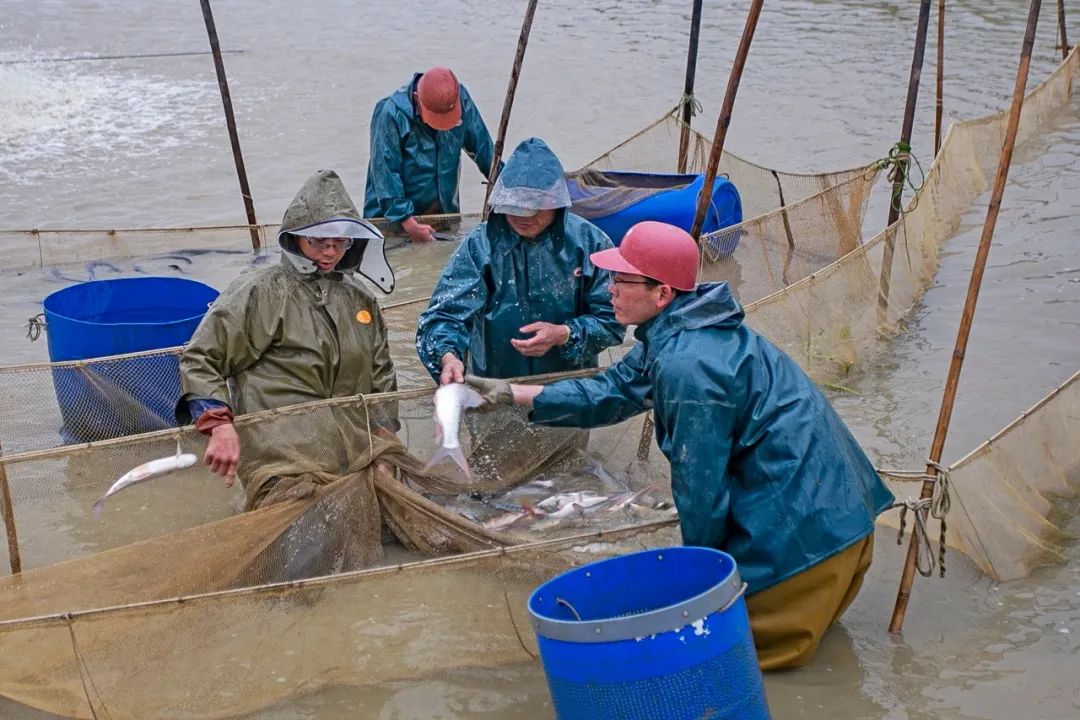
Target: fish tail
x=454 y=454
x=98 y=506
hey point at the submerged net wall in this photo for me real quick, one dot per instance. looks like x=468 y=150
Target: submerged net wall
x=1012 y=494
x=92 y=629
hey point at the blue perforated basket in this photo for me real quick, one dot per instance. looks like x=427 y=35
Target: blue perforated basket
x=652 y=635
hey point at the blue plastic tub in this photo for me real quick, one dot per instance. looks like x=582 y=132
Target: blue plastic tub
x=112 y=317
x=655 y=635
x=674 y=205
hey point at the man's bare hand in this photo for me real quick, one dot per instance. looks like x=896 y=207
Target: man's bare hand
x=453 y=370
x=545 y=336
x=223 y=452
x=417 y=231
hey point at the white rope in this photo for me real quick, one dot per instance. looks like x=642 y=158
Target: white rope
x=937 y=505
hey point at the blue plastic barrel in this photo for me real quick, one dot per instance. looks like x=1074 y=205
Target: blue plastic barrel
x=654 y=635
x=95 y=319
x=675 y=205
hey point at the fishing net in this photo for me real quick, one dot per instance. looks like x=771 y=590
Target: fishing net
x=101 y=398
x=171 y=583
x=347 y=493
x=1013 y=495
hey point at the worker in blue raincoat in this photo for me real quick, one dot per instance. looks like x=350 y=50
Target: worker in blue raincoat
x=520 y=296
x=417 y=135
x=762 y=467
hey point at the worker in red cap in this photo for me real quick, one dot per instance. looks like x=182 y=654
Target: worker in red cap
x=762 y=467
x=417 y=135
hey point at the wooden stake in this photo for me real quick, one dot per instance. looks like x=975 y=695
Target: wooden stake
x=688 y=86
x=902 y=168
x=1061 y=30
x=508 y=103
x=9 y=520
x=230 y=121
x=722 y=122
x=939 y=106
x=953 y=380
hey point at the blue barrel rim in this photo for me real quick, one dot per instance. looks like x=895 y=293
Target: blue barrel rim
x=83 y=321
x=718 y=598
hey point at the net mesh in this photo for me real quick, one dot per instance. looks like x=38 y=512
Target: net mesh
x=172 y=583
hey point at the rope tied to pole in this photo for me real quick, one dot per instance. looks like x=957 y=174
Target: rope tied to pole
x=689 y=101
x=34 y=326
x=896 y=162
x=937 y=505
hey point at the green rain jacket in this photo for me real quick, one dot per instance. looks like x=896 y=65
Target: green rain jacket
x=497 y=282
x=288 y=334
x=762 y=467
x=414 y=169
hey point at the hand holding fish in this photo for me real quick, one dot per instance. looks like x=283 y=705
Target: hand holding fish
x=453 y=370
x=223 y=452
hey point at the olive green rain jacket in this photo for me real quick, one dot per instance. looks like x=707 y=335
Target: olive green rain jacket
x=289 y=334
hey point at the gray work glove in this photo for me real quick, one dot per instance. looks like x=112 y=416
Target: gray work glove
x=494 y=392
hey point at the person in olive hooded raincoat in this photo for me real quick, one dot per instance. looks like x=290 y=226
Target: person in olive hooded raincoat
x=303 y=330
x=762 y=467
x=417 y=135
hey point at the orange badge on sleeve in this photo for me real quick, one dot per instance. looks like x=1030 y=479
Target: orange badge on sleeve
x=363 y=317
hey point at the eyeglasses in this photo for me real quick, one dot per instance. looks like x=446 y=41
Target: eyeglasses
x=325 y=244
x=621 y=281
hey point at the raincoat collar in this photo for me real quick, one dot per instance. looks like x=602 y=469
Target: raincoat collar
x=707 y=305
x=403 y=101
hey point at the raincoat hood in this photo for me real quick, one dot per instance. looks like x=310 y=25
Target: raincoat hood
x=323 y=208
x=532 y=180
x=707 y=305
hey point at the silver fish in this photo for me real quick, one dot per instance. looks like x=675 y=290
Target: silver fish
x=450 y=402
x=146 y=471
x=557 y=505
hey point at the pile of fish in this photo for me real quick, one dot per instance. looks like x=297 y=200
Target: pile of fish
x=544 y=505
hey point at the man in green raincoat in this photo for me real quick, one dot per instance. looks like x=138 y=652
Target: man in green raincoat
x=417 y=135
x=305 y=329
x=520 y=295
x=762 y=467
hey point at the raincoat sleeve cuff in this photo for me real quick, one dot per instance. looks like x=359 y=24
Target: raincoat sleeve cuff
x=555 y=407
x=573 y=350
x=212 y=418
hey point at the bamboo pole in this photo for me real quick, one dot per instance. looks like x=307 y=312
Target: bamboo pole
x=688 y=85
x=960 y=350
x=722 y=122
x=939 y=105
x=230 y=121
x=9 y=521
x=705 y=196
x=508 y=103
x=902 y=166
x=1061 y=30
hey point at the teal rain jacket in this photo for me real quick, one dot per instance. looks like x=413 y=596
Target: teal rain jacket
x=496 y=282
x=414 y=169
x=762 y=467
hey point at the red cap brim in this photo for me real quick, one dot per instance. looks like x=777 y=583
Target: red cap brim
x=441 y=121
x=611 y=259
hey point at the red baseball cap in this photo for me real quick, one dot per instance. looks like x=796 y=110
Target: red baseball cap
x=656 y=250
x=439 y=98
